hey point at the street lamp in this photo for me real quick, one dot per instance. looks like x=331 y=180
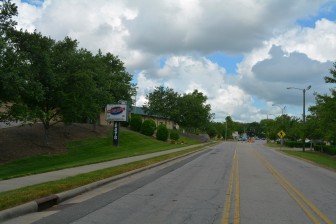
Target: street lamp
x=282 y=109
x=303 y=114
x=270 y=114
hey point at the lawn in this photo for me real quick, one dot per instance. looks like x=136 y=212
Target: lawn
x=88 y=151
x=315 y=157
x=20 y=196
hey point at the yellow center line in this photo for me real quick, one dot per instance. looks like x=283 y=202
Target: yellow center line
x=301 y=200
x=237 y=196
x=227 y=207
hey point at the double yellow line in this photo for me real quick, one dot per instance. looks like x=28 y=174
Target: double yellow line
x=308 y=207
x=229 y=193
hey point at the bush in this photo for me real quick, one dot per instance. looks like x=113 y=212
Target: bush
x=174 y=135
x=295 y=144
x=136 y=123
x=212 y=132
x=124 y=124
x=329 y=149
x=162 y=133
x=148 y=127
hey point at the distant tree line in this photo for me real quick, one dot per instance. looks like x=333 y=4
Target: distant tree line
x=320 y=125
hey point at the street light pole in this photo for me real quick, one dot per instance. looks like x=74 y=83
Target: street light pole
x=303 y=114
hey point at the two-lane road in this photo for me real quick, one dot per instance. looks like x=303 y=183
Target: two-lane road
x=230 y=183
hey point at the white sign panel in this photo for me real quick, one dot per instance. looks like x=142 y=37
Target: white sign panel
x=116 y=112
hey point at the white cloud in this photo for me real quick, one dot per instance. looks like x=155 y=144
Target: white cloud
x=186 y=73
x=317 y=43
x=277 y=52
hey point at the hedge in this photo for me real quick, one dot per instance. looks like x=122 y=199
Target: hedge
x=329 y=149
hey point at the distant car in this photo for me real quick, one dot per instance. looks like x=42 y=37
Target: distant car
x=242 y=139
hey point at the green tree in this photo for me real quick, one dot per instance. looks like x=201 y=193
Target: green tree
x=229 y=127
x=56 y=81
x=8 y=87
x=162 y=102
x=194 y=113
x=325 y=108
x=212 y=132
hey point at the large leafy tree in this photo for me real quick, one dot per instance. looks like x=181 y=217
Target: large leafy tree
x=56 y=81
x=162 y=102
x=40 y=77
x=194 y=113
x=325 y=108
x=7 y=24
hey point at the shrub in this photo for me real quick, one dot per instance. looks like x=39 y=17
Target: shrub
x=162 y=133
x=136 y=123
x=212 y=132
x=174 y=135
x=124 y=124
x=329 y=149
x=295 y=144
x=148 y=127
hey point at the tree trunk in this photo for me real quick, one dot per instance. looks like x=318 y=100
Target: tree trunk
x=46 y=126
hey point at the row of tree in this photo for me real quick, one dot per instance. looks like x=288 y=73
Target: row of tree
x=320 y=124
x=51 y=81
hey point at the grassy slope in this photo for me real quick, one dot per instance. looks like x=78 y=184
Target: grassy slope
x=87 y=152
x=315 y=157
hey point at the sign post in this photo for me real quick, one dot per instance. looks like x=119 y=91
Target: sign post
x=116 y=133
x=281 y=134
x=116 y=113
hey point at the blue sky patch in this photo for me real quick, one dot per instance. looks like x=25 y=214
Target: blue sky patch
x=33 y=2
x=226 y=61
x=326 y=11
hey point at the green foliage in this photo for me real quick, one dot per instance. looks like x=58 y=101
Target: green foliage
x=51 y=81
x=174 y=135
x=324 y=110
x=295 y=144
x=329 y=149
x=193 y=112
x=148 y=127
x=125 y=124
x=136 y=123
x=162 y=102
x=162 y=133
x=212 y=132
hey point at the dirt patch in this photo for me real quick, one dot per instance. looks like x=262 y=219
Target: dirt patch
x=22 y=141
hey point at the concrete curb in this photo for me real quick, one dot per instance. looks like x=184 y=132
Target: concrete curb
x=51 y=200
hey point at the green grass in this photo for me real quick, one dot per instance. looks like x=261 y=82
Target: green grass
x=87 y=152
x=315 y=157
x=16 y=197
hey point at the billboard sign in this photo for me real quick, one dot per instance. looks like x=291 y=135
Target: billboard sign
x=116 y=112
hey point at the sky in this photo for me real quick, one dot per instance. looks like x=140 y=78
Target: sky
x=242 y=54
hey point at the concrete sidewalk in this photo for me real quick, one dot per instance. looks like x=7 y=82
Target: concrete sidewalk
x=20 y=182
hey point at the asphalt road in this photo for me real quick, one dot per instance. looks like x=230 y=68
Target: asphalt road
x=230 y=183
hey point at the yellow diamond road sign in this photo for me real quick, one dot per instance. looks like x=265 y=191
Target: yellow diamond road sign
x=281 y=134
